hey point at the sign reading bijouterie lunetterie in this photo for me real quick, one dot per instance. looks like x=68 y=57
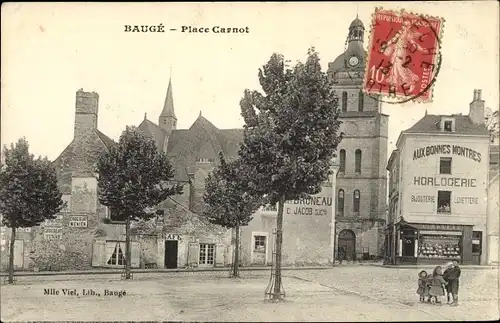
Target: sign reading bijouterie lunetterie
x=78 y=221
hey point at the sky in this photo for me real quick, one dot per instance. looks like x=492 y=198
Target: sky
x=50 y=50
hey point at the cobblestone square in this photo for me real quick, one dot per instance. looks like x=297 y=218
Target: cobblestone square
x=343 y=293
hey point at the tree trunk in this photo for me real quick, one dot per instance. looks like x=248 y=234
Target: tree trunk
x=279 y=243
x=11 y=255
x=236 y=261
x=127 y=249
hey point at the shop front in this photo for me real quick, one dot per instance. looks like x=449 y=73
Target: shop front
x=425 y=243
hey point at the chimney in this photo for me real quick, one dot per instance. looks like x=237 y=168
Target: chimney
x=86 y=110
x=476 y=110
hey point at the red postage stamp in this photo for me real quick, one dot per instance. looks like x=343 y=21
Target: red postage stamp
x=403 y=56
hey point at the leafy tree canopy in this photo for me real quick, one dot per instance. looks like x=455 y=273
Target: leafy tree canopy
x=28 y=188
x=291 y=130
x=492 y=123
x=134 y=177
x=228 y=199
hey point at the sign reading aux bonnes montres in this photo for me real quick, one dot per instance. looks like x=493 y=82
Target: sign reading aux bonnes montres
x=447 y=150
x=447 y=181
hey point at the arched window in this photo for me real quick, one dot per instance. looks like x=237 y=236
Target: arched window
x=361 y=101
x=355 y=205
x=342 y=161
x=340 y=202
x=357 y=161
x=344 y=101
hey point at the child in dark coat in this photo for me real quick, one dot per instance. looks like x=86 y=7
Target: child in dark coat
x=453 y=281
x=423 y=289
x=446 y=277
x=438 y=284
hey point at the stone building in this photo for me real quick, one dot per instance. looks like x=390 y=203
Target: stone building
x=86 y=235
x=193 y=153
x=362 y=179
x=311 y=229
x=438 y=189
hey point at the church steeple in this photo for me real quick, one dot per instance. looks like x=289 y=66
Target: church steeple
x=356 y=31
x=167 y=120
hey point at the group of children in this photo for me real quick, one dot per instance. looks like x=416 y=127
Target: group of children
x=433 y=288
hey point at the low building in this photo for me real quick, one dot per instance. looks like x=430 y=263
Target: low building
x=308 y=232
x=438 y=189
x=85 y=234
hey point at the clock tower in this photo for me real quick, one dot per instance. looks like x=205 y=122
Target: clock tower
x=361 y=196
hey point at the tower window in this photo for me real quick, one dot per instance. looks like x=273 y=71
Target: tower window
x=342 y=161
x=340 y=202
x=361 y=101
x=355 y=206
x=344 y=101
x=357 y=161
x=164 y=121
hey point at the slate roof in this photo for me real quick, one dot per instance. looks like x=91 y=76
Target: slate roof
x=155 y=131
x=186 y=145
x=463 y=125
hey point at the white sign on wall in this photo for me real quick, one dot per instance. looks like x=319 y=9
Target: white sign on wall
x=52 y=233
x=78 y=221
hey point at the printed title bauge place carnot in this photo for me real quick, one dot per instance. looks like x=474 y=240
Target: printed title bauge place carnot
x=439 y=201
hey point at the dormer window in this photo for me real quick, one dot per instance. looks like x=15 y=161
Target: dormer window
x=448 y=126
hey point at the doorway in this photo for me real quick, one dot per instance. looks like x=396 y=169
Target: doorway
x=347 y=245
x=171 y=250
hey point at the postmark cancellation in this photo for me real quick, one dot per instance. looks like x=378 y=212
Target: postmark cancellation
x=404 y=56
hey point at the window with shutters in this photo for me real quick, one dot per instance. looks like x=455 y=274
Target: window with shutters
x=115 y=253
x=342 y=161
x=207 y=254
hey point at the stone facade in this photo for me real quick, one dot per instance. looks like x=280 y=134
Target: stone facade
x=361 y=190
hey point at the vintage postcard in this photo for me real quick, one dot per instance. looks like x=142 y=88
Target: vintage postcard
x=249 y=162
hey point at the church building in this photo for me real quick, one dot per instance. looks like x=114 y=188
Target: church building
x=361 y=192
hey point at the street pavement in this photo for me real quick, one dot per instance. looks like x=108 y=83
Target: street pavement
x=343 y=293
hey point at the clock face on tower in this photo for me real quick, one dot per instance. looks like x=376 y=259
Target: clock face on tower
x=353 y=61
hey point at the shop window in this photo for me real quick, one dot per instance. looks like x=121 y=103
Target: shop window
x=342 y=161
x=344 y=101
x=357 y=161
x=361 y=101
x=439 y=246
x=340 y=202
x=445 y=165
x=476 y=242
x=444 y=202
x=207 y=254
x=260 y=243
x=355 y=206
